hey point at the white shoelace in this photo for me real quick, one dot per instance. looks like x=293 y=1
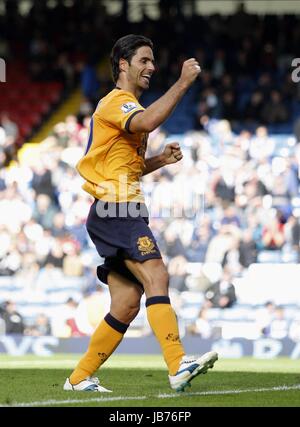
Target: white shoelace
x=188 y=359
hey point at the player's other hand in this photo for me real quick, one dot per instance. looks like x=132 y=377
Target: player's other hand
x=190 y=71
x=172 y=153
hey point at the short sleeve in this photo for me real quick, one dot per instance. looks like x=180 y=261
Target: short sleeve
x=120 y=110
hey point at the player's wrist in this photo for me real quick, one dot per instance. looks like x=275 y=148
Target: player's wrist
x=162 y=158
x=183 y=84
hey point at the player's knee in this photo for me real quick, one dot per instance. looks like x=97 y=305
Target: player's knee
x=132 y=312
x=125 y=312
x=129 y=313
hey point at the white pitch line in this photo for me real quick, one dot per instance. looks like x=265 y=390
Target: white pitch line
x=159 y=396
x=62 y=402
x=220 y=392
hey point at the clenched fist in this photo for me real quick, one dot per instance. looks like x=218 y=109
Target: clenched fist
x=190 y=71
x=172 y=153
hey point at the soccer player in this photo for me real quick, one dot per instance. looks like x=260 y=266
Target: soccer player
x=118 y=224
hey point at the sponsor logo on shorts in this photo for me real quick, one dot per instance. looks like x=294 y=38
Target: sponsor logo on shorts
x=146 y=245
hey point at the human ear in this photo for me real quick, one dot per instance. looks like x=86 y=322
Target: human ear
x=123 y=64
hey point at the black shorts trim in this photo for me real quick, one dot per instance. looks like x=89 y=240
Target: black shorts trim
x=117 y=265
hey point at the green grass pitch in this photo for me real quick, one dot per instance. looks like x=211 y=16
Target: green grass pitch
x=141 y=381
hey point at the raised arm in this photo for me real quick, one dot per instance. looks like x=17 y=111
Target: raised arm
x=160 y=110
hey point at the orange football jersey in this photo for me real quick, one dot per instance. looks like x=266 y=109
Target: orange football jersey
x=115 y=158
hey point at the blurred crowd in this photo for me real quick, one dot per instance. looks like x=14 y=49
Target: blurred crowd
x=232 y=201
x=246 y=58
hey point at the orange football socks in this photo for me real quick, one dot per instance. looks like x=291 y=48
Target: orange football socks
x=104 y=341
x=163 y=322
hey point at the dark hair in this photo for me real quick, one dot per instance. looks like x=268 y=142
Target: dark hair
x=126 y=48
